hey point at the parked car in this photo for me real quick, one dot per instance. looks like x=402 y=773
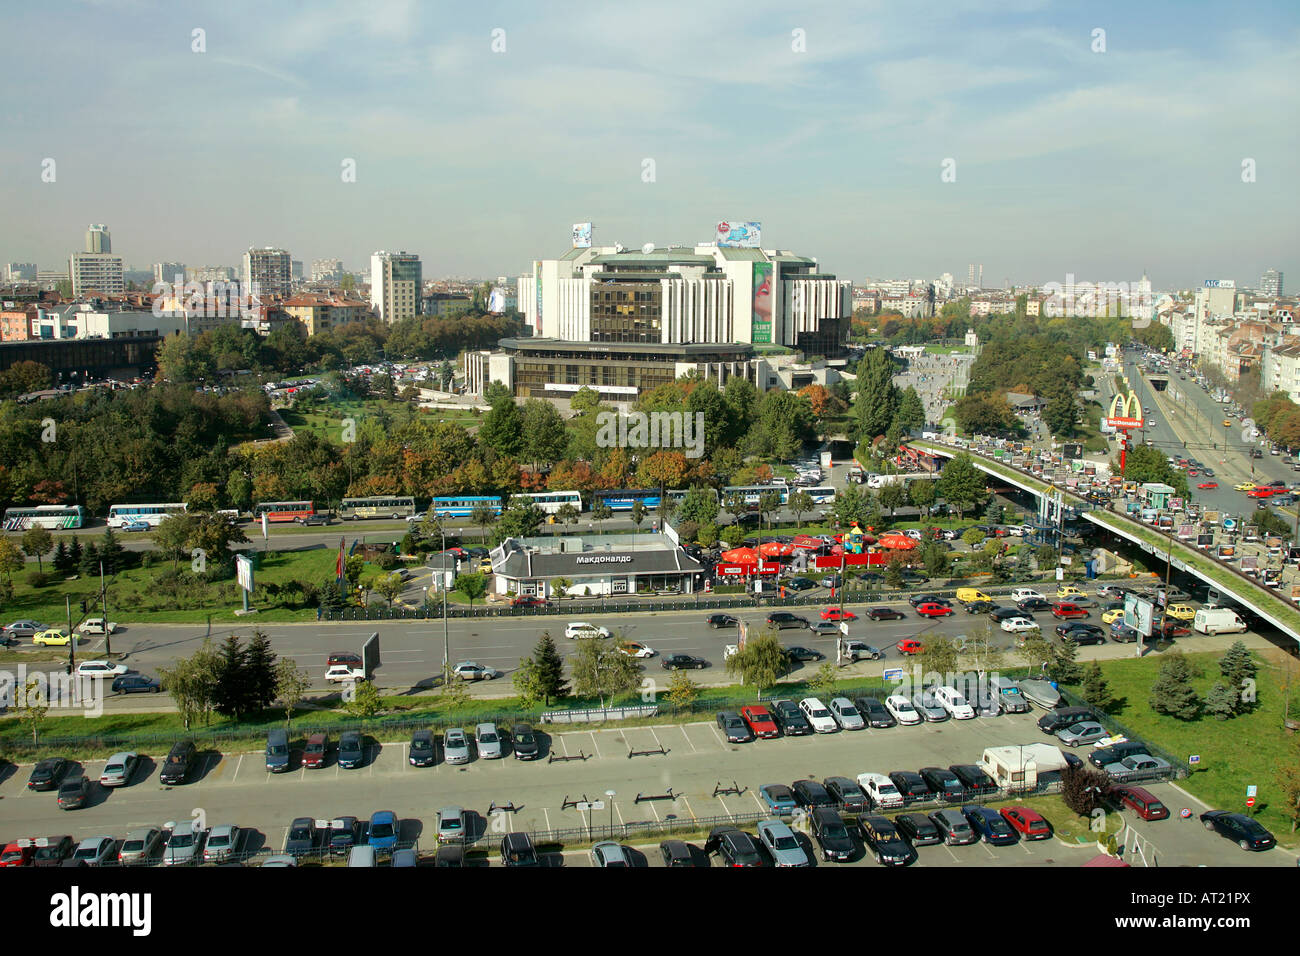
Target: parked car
x=140 y=846
x=848 y=794
x=184 y=844
x=781 y=844
x=316 y=752
x=902 y=709
x=1137 y=767
x=818 y=715
x=954 y=703
x=974 y=780
x=524 y=742
x=178 y=763
x=222 y=843
x=944 y=783
x=303 y=837
x=676 y=853
x=918 y=829
x=345 y=833
x=884 y=795
x=1030 y=824
x=733 y=727
x=736 y=847
x=954 y=827
x=759 y=720
x=928 y=706
x=845 y=714
x=990 y=825
x=1139 y=799
x=884 y=842
x=1084 y=732
x=474 y=671
x=383 y=831
x=455 y=746
x=488 y=741
x=810 y=795
x=351 y=750
x=1247 y=833
x=778 y=797
x=1114 y=753
x=517 y=850
x=1055 y=720
x=678 y=662
x=790 y=718
x=452 y=825
x=911 y=785
x=421 y=752
x=119 y=770
x=74 y=792
x=610 y=855
x=52 y=851
x=874 y=712
x=832 y=835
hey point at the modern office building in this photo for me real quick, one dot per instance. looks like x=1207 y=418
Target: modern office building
x=326 y=270
x=96 y=272
x=270 y=269
x=20 y=272
x=295 y=269
x=169 y=272
x=98 y=239
x=395 y=281
x=1271 y=283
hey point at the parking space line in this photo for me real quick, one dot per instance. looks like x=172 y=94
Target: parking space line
x=617 y=811
x=761 y=805
x=655 y=812
x=546 y=814
x=717 y=735
x=689 y=808
x=593 y=742
x=658 y=743
x=694 y=749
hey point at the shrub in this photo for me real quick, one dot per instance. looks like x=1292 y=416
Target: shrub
x=38 y=579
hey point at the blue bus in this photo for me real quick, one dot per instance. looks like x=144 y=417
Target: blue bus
x=621 y=499
x=462 y=506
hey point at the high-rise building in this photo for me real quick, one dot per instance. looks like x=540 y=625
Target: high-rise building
x=1271 y=283
x=20 y=272
x=395 y=281
x=98 y=239
x=96 y=271
x=210 y=274
x=970 y=275
x=268 y=271
x=979 y=281
x=169 y=272
x=295 y=268
x=326 y=270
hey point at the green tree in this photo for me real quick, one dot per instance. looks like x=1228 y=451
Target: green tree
x=483 y=515
x=939 y=656
x=1096 y=691
x=1173 y=693
x=503 y=426
x=1288 y=781
x=567 y=513
x=800 y=502
x=894 y=573
x=111 y=552
x=259 y=665
x=877 y=397
x=638 y=512
x=390 y=586
x=33 y=706
x=363 y=701
x=974 y=537
x=980 y=653
x=911 y=411
x=934 y=554
x=233 y=694
x=61 y=561
x=550 y=669
x=192 y=683
x=824 y=680
x=291 y=686
x=602 y=671
x=1239 y=669
x=472 y=585
x=1035 y=650
x=36 y=543
x=523 y=519
x=893 y=496
x=172 y=536
x=1065 y=667
x=760 y=663
x=1221 y=701
x=1083 y=789
x=921 y=494
x=769 y=502
x=682 y=691
x=454 y=695
x=600 y=512
x=700 y=505
x=544 y=435
x=962 y=484
x=11 y=558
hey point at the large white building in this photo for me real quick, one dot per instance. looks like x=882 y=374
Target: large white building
x=20 y=272
x=98 y=239
x=270 y=269
x=96 y=271
x=169 y=272
x=395 y=280
x=326 y=270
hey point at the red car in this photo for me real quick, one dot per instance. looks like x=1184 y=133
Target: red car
x=1141 y=800
x=1028 y=823
x=1067 y=610
x=318 y=746
x=1208 y=484
x=760 y=721
x=15 y=855
x=343 y=657
x=910 y=646
x=838 y=614
x=530 y=602
x=1261 y=493
x=934 y=610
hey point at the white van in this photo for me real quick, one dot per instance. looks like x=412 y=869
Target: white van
x=819 y=715
x=1218 y=620
x=954 y=703
x=884 y=795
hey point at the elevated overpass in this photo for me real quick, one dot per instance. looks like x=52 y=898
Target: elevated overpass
x=1244 y=590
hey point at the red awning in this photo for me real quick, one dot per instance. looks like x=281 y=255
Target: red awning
x=739 y=556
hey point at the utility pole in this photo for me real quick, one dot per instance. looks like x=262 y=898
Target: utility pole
x=103 y=601
x=72 y=638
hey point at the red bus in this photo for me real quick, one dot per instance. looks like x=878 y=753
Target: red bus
x=298 y=511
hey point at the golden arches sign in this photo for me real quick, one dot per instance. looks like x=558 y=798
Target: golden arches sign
x=1125 y=411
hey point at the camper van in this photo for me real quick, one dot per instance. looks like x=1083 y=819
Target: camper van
x=1019 y=767
x=1218 y=620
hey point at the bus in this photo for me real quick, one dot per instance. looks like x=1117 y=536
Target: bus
x=377 y=506
x=621 y=499
x=677 y=496
x=298 y=511
x=152 y=515
x=751 y=493
x=821 y=496
x=44 y=516
x=552 y=501
x=462 y=506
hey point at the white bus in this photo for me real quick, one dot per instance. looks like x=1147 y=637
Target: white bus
x=751 y=493
x=552 y=501
x=823 y=495
x=377 y=506
x=152 y=515
x=44 y=516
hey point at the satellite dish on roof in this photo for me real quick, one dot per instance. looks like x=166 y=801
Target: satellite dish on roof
x=648 y=248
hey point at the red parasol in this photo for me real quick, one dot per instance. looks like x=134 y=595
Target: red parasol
x=898 y=542
x=775 y=548
x=739 y=556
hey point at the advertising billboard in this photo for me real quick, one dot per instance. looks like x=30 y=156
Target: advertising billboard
x=742 y=234
x=760 y=331
x=582 y=235
x=1138 y=613
x=1220 y=284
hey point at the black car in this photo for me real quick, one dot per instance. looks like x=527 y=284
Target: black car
x=179 y=762
x=302 y=837
x=800 y=584
x=1001 y=614
x=73 y=793
x=975 y=780
x=789 y=718
x=850 y=796
x=450 y=854
x=945 y=783
x=681 y=662
x=954 y=827
x=885 y=614
x=735 y=846
x=1082 y=634
x=422 y=752
x=810 y=795
x=720 y=620
x=517 y=850
x=524 y=742
x=1128 y=635
x=783 y=619
x=874 y=713
x=344 y=834
x=832 y=835
x=883 y=840
x=734 y=728
x=676 y=853
x=1030 y=605
x=136 y=684
x=979 y=607
x=351 y=751
x=1102 y=756
x=1247 y=833
x=911 y=785
x=1059 y=719
x=47 y=773
x=916 y=600
x=803 y=654
x=917 y=829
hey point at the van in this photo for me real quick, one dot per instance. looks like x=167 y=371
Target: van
x=1218 y=620
x=1007 y=693
x=277 y=751
x=1055 y=720
x=884 y=795
x=954 y=703
x=967 y=595
x=363 y=855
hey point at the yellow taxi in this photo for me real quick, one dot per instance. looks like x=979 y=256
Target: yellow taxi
x=1113 y=615
x=1181 y=612
x=485 y=566
x=52 y=637
x=1245 y=486
x=1070 y=591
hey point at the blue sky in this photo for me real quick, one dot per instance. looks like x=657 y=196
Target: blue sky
x=1067 y=161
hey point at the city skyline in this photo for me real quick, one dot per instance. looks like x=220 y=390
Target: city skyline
x=479 y=161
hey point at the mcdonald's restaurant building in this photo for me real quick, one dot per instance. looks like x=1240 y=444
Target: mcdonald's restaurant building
x=613 y=564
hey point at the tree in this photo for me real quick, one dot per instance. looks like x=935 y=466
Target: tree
x=800 y=502
x=233 y=694
x=974 y=537
x=61 y=561
x=760 y=663
x=602 y=671
x=291 y=686
x=980 y=653
x=87 y=567
x=682 y=691
x=1096 y=691
x=962 y=484
x=11 y=558
x=33 y=706
x=111 y=552
x=892 y=496
x=483 y=515
x=523 y=519
x=1238 y=669
x=362 y=700
x=939 y=656
x=1083 y=789
x=172 y=536
x=550 y=669
x=1064 y=668
x=503 y=426
x=74 y=554
x=1173 y=693
x=769 y=502
x=390 y=586
x=213 y=534
x=824 y=680
x=455 y=692
x=921 y=494
x=935 y=556
x=192 y=683
x=259 y=663
x=1035 y=650
x=36 y=543
x=1288 y=780
x=911 y=411
x=877 y=398
x=638 y=512
x=1221 y=701
x=472 y=585
x=600 y=512
x=567 y=513
x=700 y=505
x=544 y=434
x=894 y=572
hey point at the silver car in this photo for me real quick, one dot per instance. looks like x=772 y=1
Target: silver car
x=183 y=845
x=95 y=851
x=781 y=844
x=222 y=843
x=455 y=747
x=1085 y=732
x=140 y=845
x=119 y=770
x=1137 y=766
x=928 y=707
x=451 y=825
x=488 y=739
x=845 y=714
x=609 y=854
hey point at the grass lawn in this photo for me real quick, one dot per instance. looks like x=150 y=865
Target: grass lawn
x=1066 y=824
x=1244 y=750
x=945 y=349
x=326 y=420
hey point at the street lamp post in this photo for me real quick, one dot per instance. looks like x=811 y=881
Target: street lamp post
x=610 y=794
x=1226 y=424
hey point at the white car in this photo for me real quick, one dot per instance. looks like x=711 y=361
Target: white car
x=1024 y=594
x=1017 y=624
x=819 y=715
x=580 y=629
x=95 y=851
x=472 y=670
x=902 y=709
x=95 y=625
x=954 y=703
x=341 y=673
x=636 y=649
x=881 y=790
x=100 y=669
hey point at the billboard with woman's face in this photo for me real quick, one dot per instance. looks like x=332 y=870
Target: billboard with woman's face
x=764 y=299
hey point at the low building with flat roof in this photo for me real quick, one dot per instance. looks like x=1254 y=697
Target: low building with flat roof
x=614 y=564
